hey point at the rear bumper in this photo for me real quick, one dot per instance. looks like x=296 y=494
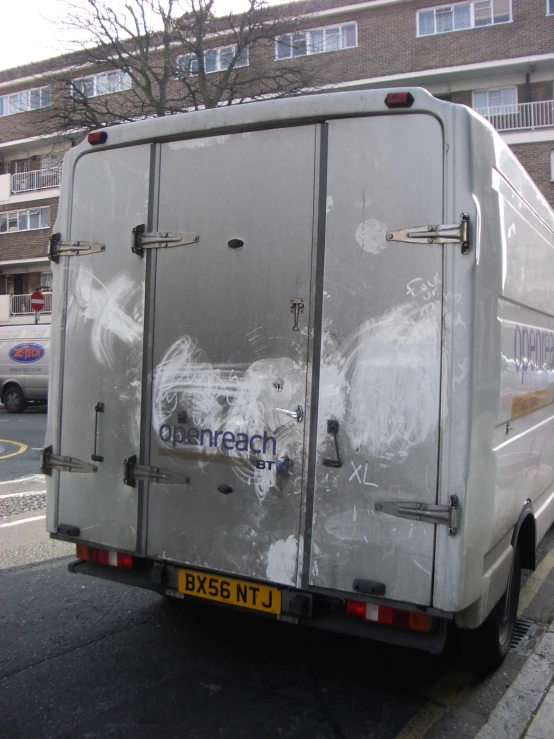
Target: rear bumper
x=306 y=609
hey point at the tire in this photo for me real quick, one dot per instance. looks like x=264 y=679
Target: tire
x=14 y=399
x=494 y=636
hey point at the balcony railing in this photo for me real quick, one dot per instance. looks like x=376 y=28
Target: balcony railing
x=40 y=179
x=520 y=116
x=21 y=305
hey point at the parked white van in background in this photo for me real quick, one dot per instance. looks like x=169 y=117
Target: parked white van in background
x=24 y=360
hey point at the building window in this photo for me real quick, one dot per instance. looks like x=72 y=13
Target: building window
x=549 y=7
x=19 y=102
x=25 y=220
x=100 y=84
x=495 y=102
x=317 y=41
x=459 y=16
x=215 y=60
x=552 y=166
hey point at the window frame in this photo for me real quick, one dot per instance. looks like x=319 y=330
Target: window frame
x=489 y=107
x=25 y=97
x=92 y=81
x=552 y=166
x=11 y=215
x=309 y=45
x=193 y=59
x=472 y=24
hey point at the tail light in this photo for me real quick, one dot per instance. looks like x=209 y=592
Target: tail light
x=413 y=620
x=104 y=556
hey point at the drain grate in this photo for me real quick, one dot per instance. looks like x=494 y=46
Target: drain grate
x=525 y=636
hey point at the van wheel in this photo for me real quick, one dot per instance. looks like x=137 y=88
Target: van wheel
x=494 y=636
x=14 y=400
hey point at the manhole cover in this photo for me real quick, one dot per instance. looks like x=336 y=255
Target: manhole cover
x=525 y=636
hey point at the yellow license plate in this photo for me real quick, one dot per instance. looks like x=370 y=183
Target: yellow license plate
x=228 y=590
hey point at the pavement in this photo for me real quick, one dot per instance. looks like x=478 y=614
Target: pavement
x=526 y=710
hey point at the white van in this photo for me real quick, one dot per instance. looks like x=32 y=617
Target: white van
x=303 y=364
x=24 y=359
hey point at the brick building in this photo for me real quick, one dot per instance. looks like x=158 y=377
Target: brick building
x=494 y=55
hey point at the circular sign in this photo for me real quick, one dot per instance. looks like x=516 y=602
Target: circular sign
x=37 y=301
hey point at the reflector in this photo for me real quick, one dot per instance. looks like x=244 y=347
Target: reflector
x=399 y=100
x=97 y=137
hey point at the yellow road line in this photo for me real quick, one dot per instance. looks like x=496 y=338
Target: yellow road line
x=448 y=691
x=455 y=683
x=534 y=582
x=22 y=448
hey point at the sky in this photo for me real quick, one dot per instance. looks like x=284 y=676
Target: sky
x=31 y=29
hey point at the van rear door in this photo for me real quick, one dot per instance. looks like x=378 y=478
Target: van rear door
x=230 y=351
x=101 y=374
x=380 y=360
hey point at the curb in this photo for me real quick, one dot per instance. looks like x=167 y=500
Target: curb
x=518 y=706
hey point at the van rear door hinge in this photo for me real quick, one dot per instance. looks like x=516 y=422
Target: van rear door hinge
x=159 y=239
x=440 y=514
x=134 y=472
x=456 y=233
x=49 y=462
x=58 y=248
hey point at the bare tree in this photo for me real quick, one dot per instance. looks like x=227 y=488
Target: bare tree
x=169 y=56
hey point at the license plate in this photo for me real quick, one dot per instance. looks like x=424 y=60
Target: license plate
x=228 y=590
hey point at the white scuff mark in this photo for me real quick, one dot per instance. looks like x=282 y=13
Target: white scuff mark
x=420 y=566
x=462 y=373
x=329 y=203
x=382 y=383
x=133 y=531
x=354 y=515
x=203 y=143
x=371 y=236
x=114 y=309
x=343 y=526
x=242 y=399
x=281 y=561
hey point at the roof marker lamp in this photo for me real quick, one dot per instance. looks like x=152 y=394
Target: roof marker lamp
x=399 y=100
x=97 y=137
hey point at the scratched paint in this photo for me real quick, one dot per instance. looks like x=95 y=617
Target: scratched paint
x=114 y=310
x=242 y=399
x=371 y=236
x=381 y=382
x=282 y=560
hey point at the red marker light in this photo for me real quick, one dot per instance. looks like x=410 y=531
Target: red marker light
x=97 y=137
x=104 y=557
x=355 y=608
x=399 y=100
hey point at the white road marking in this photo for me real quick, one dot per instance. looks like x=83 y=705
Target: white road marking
x=29 y=478
x=23 y=520
x=20 y=495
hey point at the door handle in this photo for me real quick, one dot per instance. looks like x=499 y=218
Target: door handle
x=298 y=414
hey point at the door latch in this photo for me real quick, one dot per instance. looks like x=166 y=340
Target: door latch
x=298 y=414
x=296 y=307
x=333 y=429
